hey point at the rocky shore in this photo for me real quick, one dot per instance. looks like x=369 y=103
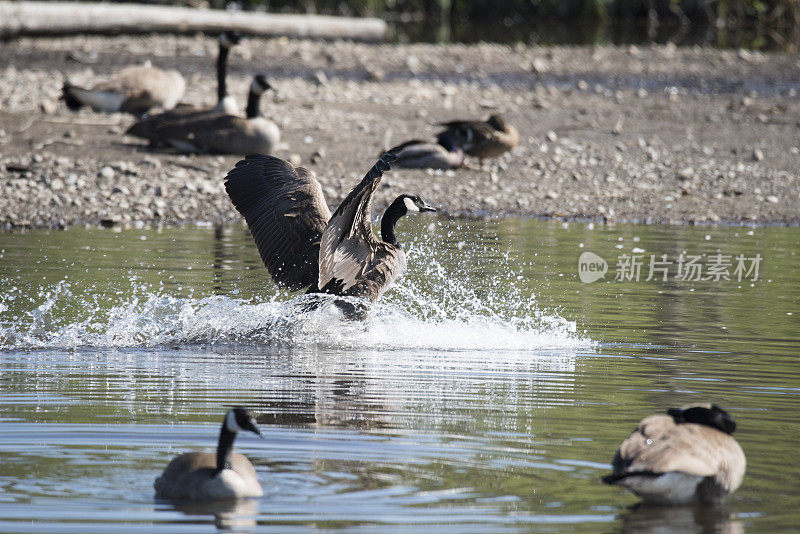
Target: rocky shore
x=626 y=134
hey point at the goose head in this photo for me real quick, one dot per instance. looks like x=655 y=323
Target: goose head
x=498 y=122
x=402 y=205
x=230 y=38
x=413 y=203
x=258 y=87
x=238 y=420
x=704 y=414
x=260 y=84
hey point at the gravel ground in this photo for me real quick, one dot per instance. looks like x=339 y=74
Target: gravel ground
x=627 y=134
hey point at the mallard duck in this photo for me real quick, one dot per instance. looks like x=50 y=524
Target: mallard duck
x=221 y=133
x=203 y=476
x=303 y=245
x=133 y=90
x=684 y=455
x=482 y=139
x=146 y=127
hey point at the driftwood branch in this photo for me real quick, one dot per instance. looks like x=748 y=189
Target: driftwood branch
x=60 y=18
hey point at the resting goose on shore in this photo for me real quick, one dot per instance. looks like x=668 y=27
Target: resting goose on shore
x=147 y=127
x=684 y=455
x=221 y=133
x=482 y=139
x=203 y=476
x=133 y=90
x=303 y=245
x=419 y=154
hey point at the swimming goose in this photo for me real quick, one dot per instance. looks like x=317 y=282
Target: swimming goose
x=134 y=90
x=684 y=455
x=202 y=476
x=221 y=133
x=419 y=154
x=482 y=139
x=303 y=245
x=146 y=128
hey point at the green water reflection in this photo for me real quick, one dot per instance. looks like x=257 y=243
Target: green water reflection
x=467 y=439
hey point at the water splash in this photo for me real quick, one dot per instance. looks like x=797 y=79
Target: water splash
x=157 y=319
x=431 y=308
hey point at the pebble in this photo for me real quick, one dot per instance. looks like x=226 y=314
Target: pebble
x=49 y=107
x=758 y=155
x=413 y=64
x=317 y=156
x=321 y=78
x=106 y=172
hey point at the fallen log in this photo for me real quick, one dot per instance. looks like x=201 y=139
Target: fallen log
x=63 y=18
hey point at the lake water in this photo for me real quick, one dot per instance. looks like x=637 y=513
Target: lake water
x=487 y=392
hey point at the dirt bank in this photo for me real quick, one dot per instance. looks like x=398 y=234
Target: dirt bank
x=656 y=134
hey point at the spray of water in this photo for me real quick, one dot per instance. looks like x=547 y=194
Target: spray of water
x=432 y=308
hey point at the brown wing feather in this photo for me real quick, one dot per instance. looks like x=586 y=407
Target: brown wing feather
x=348 y=244
x=149 y=126
x=204 y=131
x=286 y=212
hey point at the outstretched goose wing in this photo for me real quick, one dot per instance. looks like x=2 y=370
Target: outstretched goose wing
x=348 y=245
x=286 y=212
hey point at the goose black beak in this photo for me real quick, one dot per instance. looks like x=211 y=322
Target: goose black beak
x=426 y=207
x=253 y=428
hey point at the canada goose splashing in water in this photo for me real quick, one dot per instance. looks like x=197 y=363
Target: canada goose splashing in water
x=147 y=128
x=684 y=455
x=303 y=245
x=202 y=476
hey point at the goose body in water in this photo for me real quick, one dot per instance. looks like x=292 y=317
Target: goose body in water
x=481 y=139
x=133 y=89
x=221 y=133
x=202 y=476
x=687 y=454
x=419 y=154
x=148 y=126
x=303 y=245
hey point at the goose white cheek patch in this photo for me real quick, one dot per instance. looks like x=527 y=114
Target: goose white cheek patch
x=231 y=424
x=410 y=206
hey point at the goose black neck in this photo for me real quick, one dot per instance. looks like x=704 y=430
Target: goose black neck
x=222 y=71
x=390 y=217
x=252 y=104
x=224 y=448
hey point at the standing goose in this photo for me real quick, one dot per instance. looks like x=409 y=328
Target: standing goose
x=225 y=102
x=684 y=455
x=202 y=476
x=302 y=245
x=221 y=133
x=482 y=139
x=419 y=154
x=146 y=128
x=133 y=90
